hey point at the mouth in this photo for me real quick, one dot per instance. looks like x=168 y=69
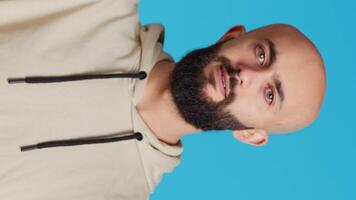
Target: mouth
x=222 y=81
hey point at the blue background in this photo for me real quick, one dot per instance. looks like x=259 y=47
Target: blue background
x=318 y=162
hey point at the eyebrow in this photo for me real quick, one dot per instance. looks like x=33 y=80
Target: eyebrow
x=272 y=51
x=278 y=84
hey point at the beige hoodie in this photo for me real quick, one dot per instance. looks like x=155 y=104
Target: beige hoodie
x=73 y=37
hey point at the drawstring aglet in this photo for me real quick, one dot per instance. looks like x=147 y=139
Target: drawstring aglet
x=142 y=75
x=28 y=147
x=16 y=80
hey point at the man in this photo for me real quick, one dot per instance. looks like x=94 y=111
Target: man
x=80 y=119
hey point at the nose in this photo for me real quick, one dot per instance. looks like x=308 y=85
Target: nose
x=249 y=77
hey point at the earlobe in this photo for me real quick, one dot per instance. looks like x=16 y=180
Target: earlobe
x=233 y=33
x=255 y=137
x=239 y=28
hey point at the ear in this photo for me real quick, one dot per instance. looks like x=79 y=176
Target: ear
x=255 y=137
x=233 y=32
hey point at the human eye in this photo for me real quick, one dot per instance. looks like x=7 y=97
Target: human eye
x=261 y=55
x=269 y=95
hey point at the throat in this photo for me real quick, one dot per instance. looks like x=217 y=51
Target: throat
x=157 y=108
x=164 y=121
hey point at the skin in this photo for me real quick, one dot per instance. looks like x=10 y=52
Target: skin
x=298 y=65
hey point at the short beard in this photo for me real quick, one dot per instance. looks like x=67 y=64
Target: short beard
x=187 y=83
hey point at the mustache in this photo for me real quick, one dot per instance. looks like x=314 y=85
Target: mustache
x=226 y=63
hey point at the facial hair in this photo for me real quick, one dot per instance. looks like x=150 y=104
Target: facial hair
x=194 y=106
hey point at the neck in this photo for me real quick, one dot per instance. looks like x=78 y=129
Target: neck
x=158 y=109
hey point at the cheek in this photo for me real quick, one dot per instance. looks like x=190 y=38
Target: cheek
x=244 y=108
x=241 y=52
x=248 y=107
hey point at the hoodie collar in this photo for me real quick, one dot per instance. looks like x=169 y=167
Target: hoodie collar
x=152 y=38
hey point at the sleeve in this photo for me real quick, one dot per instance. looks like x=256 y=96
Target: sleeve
x=56 y=37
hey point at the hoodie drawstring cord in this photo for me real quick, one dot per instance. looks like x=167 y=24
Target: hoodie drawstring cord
x=61 y=143
x=51 y=79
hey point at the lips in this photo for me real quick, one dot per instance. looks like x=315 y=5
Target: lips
x=222 y=81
